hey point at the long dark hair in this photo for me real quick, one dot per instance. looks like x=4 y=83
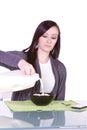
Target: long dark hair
x=31 y=51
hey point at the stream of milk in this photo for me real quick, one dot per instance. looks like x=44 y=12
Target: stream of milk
x=42 y=87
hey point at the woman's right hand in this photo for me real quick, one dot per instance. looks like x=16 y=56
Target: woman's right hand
x=25 y=67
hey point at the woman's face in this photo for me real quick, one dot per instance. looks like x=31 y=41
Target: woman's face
x=48 y=40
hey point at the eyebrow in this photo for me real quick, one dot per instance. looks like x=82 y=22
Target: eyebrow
x=55 y=34
x=51 y=34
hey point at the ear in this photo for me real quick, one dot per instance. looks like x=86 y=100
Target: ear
x=36 y=46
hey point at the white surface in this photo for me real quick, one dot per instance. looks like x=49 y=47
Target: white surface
x=17 y=26
x=6 y=95
x=7 y=122
x=4 y=110
x=15 y=81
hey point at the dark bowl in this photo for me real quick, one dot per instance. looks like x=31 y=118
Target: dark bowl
x=40 y=99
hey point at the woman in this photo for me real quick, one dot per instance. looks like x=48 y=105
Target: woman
x=40 y=57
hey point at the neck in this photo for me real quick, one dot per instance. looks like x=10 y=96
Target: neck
x=43 y=57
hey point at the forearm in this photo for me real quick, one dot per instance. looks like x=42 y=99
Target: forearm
x=10 y=59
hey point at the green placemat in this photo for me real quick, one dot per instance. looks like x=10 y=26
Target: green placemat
x=22 y=106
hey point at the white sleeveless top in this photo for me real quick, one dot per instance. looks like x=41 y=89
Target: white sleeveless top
x=47 y=77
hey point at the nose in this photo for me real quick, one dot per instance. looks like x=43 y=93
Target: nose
x=49 y=40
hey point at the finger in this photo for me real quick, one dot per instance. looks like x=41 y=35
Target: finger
x=25 y=70
x=32 y=72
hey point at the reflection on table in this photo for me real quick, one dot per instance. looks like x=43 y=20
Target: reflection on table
x=47 y=118
x=68 y=120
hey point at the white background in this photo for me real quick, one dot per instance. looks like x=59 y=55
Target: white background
x=19 y=19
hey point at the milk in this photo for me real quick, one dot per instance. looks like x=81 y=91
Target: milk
x=42 y=87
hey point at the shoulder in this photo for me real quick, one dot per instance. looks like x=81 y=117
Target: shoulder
x=61 y=65
x=61 y=68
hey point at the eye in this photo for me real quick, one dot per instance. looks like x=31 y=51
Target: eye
x=54 y=38
x=45 y=36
